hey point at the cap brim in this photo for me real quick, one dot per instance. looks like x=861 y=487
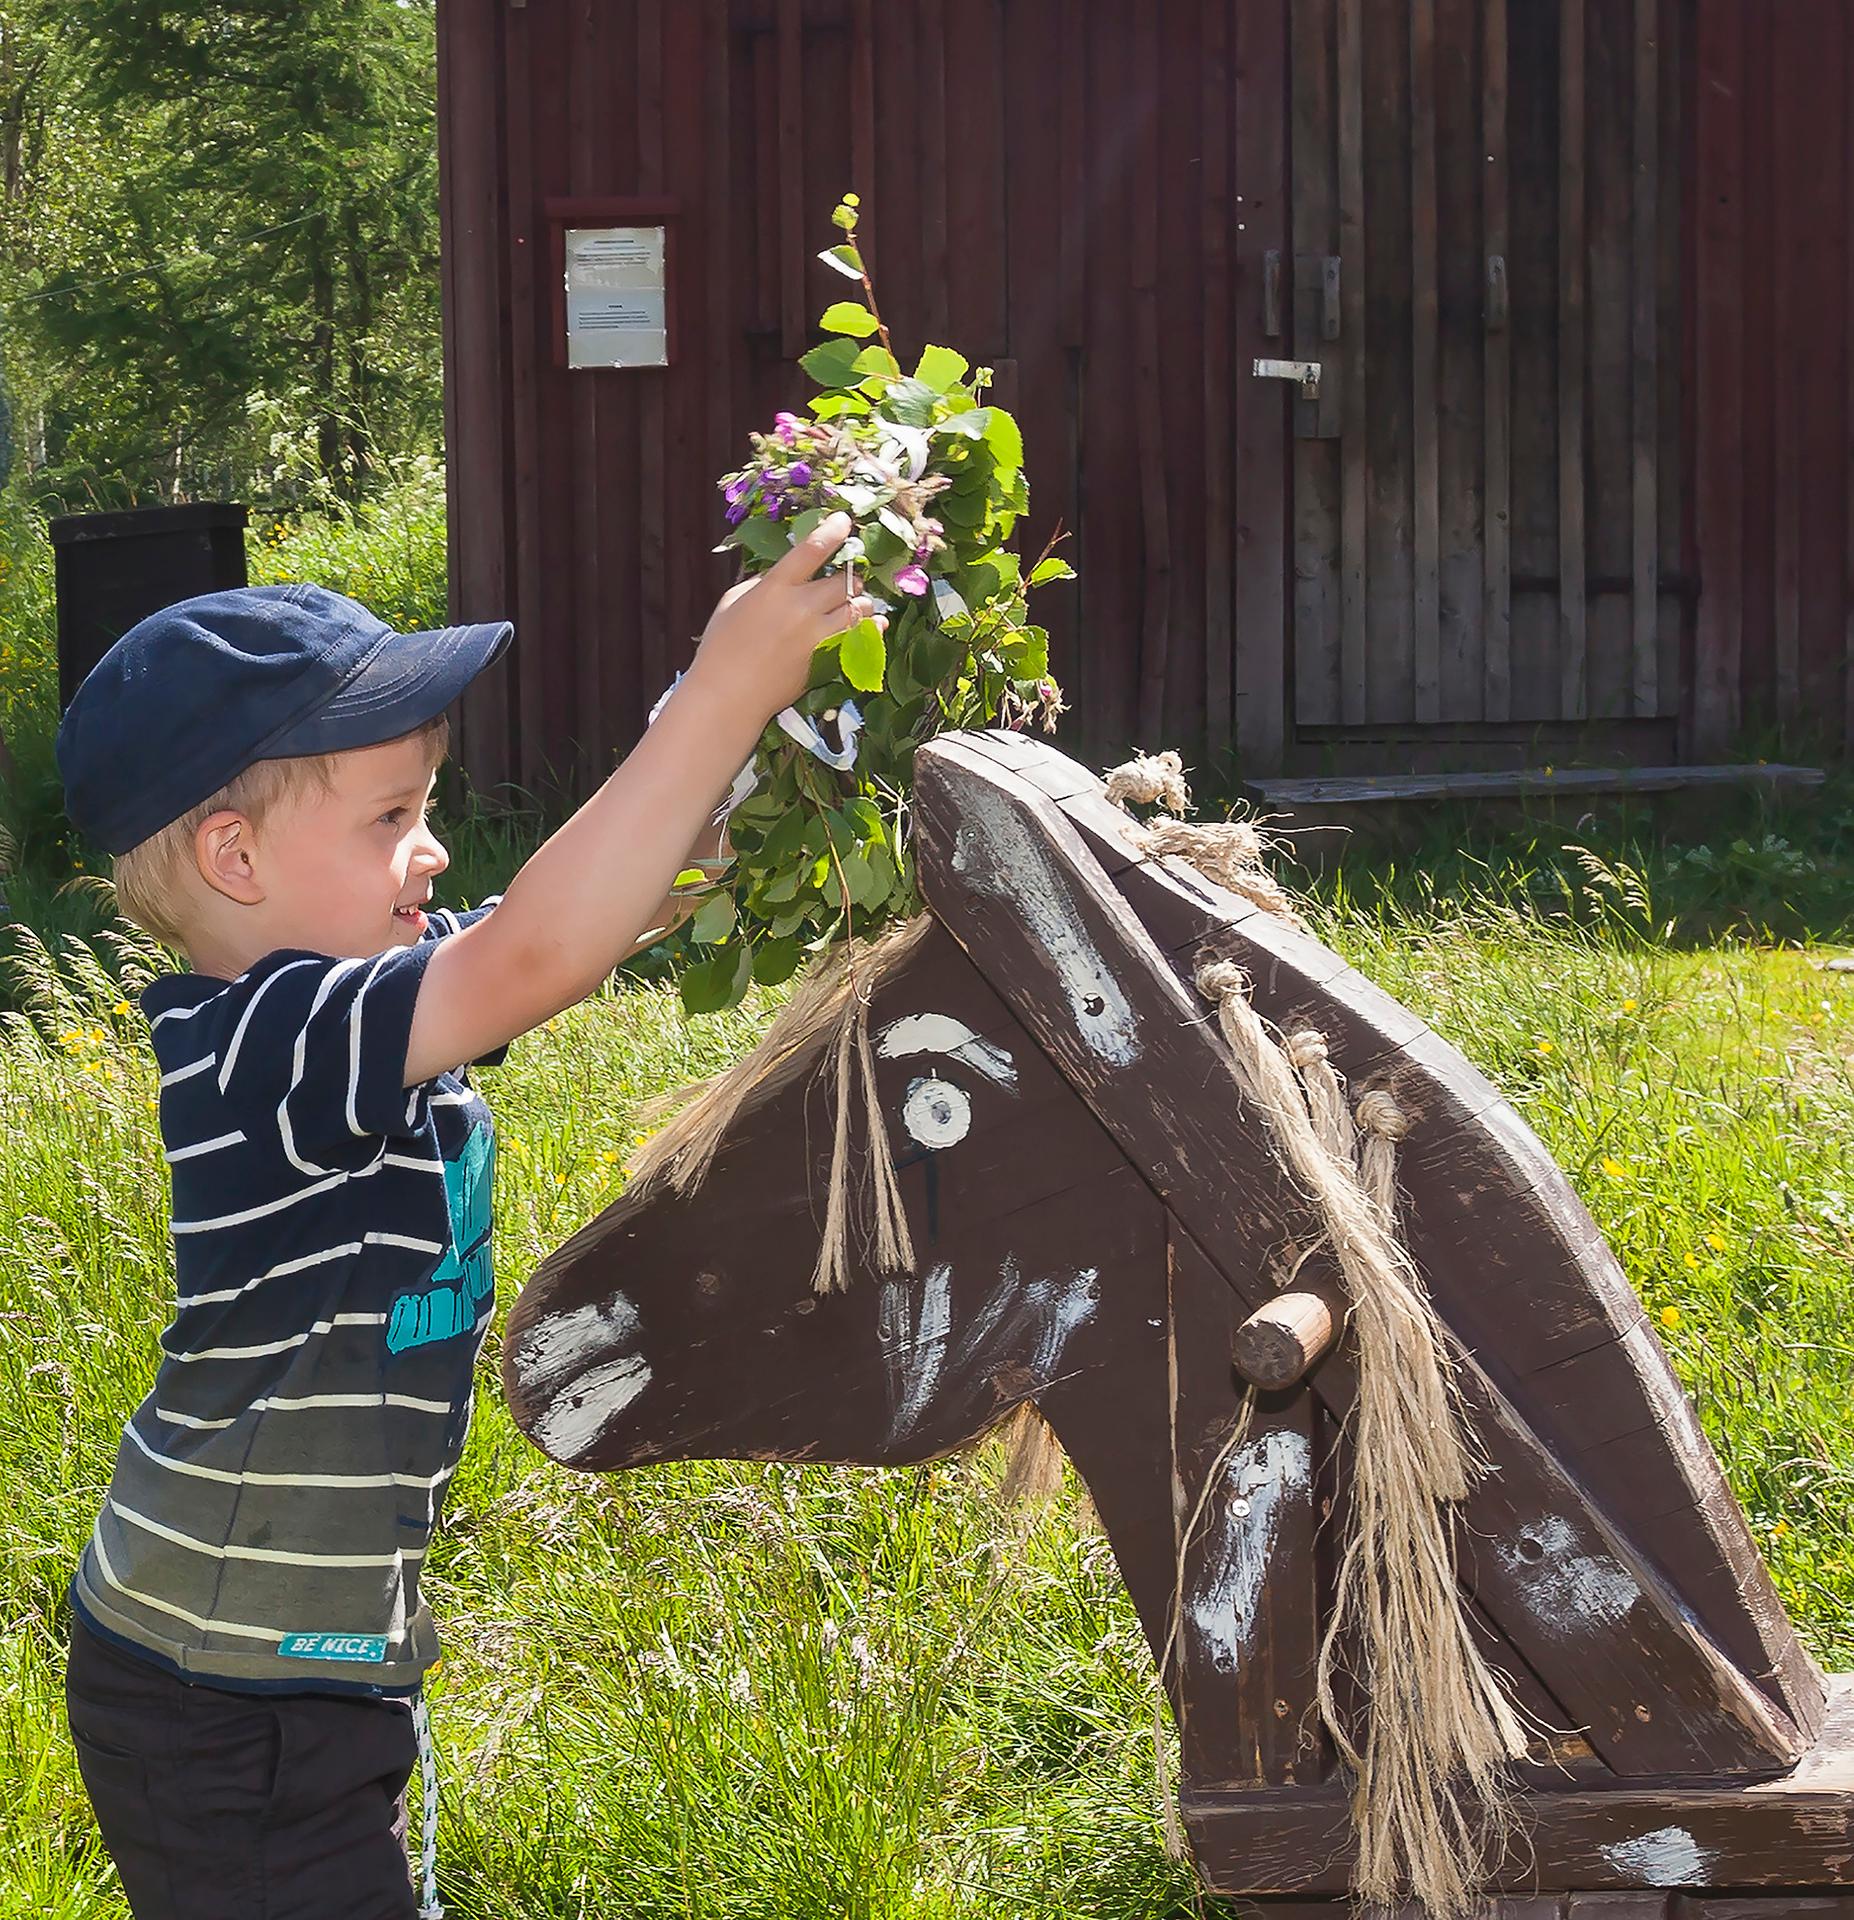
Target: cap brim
x=410 y=679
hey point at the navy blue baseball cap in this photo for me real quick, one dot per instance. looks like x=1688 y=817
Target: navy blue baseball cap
x=190 y=697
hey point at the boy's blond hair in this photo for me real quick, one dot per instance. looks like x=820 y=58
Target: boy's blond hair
x=152 y=878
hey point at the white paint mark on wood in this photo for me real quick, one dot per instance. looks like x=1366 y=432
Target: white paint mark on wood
x=1569 y=1590
x=936 y=1113
x=999 y=856
x=914 y=1345
x=551 y=1351
x=1260 y=1479
x=1668 y=1857
x=572 y=1425
x=940 y=1033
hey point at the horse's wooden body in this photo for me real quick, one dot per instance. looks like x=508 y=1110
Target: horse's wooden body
x=1096 y=1212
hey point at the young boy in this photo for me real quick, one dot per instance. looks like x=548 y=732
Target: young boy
x=247 y=1630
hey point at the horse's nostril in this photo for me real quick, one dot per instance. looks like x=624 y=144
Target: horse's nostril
x=1094 y=1006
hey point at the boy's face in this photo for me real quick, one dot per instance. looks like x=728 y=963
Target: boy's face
x=347 y=871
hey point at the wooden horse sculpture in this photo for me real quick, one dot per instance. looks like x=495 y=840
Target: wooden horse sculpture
x=1101 y=1225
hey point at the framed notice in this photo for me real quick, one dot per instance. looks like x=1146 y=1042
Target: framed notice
x=614 y=295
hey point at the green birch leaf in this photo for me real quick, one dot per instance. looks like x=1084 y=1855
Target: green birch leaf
x=719 y=981
x=1051 y=569
x=844 y=260
x=833 y=364
x=851 y=317
x=941 y=368
x=713 y=921
x=765 y=539
x=1005 y=438
x=864 y=653
x=775 y=961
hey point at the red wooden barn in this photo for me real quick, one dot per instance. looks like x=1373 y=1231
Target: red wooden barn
x=1576 y=274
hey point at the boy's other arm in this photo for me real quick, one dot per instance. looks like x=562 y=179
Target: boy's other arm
x=576 y=908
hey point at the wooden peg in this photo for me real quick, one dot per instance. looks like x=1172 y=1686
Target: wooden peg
x=1283 y=1337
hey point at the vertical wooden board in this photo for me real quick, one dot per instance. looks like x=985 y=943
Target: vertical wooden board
x=1251 y=1613
x=690 y=156
x=761 y=228
x=1674 y=364
x=1573 y=661
x=1031 y=181
x=1608 y=151
x=654 y=561
x=1109 y=544
x=1755 y=376
x=929 y=205
x=1357 y=573
x=1846 y=704
x=1532 y=282
x=1814 y=103
x=1181 y=293
x=895 y=234
x=1795 y=152
x=588 y=105
x=1071 y=128
x=1425 y=350
x=1148 y=390
x=471 y=74
x=722 y=432
x=1219 y=506
x=863 y=103
x=1644 y=343
x=1719 y=321
x=1461 y=160
x=789 y=171
x=530 y=654
x=1389 y=424
x=977 y=271
x=1497 y=392
x=1263 y=467
x=1318 y=699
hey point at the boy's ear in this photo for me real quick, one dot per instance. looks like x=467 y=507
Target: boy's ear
x=223 y=845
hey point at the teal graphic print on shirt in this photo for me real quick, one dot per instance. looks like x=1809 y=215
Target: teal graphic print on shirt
x=464 y=1278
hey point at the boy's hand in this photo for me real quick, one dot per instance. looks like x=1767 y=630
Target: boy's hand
x=761 y=637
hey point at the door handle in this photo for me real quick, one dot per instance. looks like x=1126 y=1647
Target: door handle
x=1305 y=374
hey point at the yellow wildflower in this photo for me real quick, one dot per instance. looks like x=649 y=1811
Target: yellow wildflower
x=1614 y=1168
x=1693 y=1263
x=121 y=1007
x=1629 y=1006
x=1670 y=1316
x=1716 y=1241
x=1541 y=1048
x=1780 y=1530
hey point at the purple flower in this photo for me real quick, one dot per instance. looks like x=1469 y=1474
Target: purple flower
x=737 y=512
x=741 y=484
x=798 y=474
x=775 y=506
x=786 y=426
x=924 y=551
x=912 y=580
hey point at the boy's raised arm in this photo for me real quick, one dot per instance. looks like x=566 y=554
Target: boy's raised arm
x=575 y=909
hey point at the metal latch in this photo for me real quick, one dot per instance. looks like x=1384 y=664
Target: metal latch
x=1304 y=373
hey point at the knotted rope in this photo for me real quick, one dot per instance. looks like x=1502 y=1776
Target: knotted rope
x=1431 y=1802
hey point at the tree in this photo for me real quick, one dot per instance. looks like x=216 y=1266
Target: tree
x=266 y=257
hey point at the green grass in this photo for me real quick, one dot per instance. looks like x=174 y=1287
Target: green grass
x=742 y=1689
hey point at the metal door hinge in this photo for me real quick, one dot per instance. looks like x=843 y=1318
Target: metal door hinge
x=1305 y=374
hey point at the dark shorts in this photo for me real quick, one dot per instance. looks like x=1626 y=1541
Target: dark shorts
x=240 y=1806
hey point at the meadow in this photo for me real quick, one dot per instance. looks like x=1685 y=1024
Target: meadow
x=754 y=1690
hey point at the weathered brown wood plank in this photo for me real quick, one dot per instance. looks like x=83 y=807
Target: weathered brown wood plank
x=1719 y=318
x=588 y=108
x=789 y=174
x=1497 y=397
x=1794 y=1833
x=930 y=196
x=1791 y=43
x=1644 y=321
x=1264 y=468
x=1148 y=384
x=1218 y=355
x=474 y=267
x=1573 y=657
x=977 y=827
x=1318 y=665
x=1425 y=349
x=1354 y=529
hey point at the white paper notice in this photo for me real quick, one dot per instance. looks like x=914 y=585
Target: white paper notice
x=615 y=300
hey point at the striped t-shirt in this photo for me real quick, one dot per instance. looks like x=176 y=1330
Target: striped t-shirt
x=275 y=1494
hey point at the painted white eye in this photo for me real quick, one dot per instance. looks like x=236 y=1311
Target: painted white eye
x=936 y=1113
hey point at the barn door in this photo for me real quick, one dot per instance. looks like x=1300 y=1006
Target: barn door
x=1484 y=265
